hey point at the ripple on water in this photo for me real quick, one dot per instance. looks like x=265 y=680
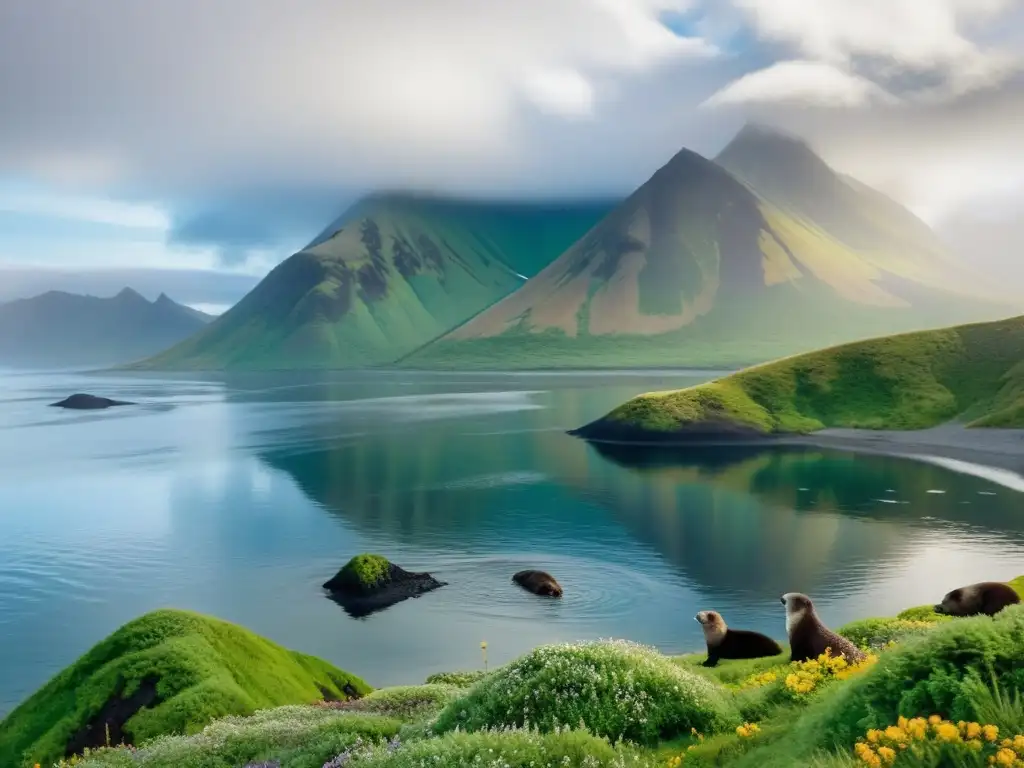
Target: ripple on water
x=494 y=480
x=595 y=590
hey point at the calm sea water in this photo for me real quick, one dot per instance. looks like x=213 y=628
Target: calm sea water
x=239 y=496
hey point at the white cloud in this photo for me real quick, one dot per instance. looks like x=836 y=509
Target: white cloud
x=561 y=92
x=800 y=81
x=388 y=92
x=80 y=208
x=918 y=48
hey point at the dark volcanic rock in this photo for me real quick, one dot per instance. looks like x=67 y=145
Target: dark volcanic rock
x=697 y=433
x=360 y=600
x=107 y=725
x=82 y=402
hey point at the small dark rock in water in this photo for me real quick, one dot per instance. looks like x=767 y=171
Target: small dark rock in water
x=370 y=583
x=82 y=402
x=538 y=582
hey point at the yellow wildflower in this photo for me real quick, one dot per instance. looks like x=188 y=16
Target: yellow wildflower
x=867 y=755
x=947 y=732
x=934 y=720
x=991 y=733
x=895 y=733
x=1005 y=757
x=887 y=755
x=917 y=728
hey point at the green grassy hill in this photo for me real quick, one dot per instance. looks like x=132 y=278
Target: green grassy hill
x=974 y=373
x=948 y=689
x=699 y=268
x=395 y=272
x=166 y=672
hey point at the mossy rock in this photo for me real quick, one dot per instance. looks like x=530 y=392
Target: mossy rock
x=369 y=583
x=362 y=573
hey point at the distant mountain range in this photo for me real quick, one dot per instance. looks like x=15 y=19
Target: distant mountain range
x=763 y=252
x=59 y=330
x=393 y=273
x=197 y=287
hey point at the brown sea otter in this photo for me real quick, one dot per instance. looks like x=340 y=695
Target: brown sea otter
x=986 y=597
x=725 y=643
x=808 y=637
x=538 y=582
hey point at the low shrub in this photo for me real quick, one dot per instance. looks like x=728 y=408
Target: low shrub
x=616 y=689
x=296 y=736
x=458 y=679
x=513 y=748
x=876 y=634
x=923 y=613
x=406 y=702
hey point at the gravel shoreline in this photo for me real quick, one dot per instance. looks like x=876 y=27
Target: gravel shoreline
x=999 y=448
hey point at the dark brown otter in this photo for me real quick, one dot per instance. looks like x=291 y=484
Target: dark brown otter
x=986 y=597
x=808 y=637
x=725 y=643
x=538 y=582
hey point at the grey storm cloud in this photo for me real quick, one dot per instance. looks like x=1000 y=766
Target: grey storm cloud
x=254 y=121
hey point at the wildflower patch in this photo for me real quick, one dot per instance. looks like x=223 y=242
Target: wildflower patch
x=616 y=689
x=935 y=741
x=812 y=675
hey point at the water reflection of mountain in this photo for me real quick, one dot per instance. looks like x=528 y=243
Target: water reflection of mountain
x=780 y=519
x=752 y=522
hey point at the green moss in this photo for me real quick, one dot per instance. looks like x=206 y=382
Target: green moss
x=205 y=668
x=909 y=381
x=364 y=572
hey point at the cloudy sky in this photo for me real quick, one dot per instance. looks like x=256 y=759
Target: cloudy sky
x=180 y=138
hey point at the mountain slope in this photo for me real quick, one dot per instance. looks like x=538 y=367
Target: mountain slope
x=974 y=373
x=695 y=268
x=525 y=236
x=785 y=171
x=394 y=273
x=57 y=329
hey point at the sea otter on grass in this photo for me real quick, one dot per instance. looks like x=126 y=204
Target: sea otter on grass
x=725 y=643
x=808 y=637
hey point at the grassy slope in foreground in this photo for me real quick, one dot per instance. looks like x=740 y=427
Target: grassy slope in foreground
x=909 y=381
x=203 y=668
x=615 y=689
